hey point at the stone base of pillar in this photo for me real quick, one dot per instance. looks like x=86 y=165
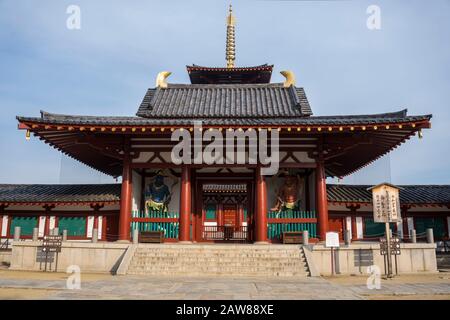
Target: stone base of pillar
x=261 y=242
x=123 y=241
x=185 y=242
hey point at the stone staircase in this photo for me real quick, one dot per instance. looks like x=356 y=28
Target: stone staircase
x=218 y=260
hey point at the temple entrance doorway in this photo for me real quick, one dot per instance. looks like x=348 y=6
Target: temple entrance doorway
x=224 y=211
x=230 y=213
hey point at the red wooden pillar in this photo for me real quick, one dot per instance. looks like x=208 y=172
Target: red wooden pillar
x=354 y=230
x=47 y=208
x=125 y=200
x=321 y=200
x=240 y=215
x=95 y=222
x=261 y=208
x=220 y=213
x=47 y=225
x=185 y=205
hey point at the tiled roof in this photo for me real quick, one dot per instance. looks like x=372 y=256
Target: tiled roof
x=409 y=194
x=215 y=187
x=384 y=118
x=66 y=193
x=86 y=193
x=226 y=100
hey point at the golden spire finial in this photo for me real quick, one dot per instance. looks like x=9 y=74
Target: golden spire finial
x=230 y=53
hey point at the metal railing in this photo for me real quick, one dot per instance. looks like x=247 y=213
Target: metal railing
x=4 y=244
x=225 y=233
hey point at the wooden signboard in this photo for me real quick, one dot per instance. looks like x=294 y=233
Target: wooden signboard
x=386 y=203
x=332 y=240
x=52 y=244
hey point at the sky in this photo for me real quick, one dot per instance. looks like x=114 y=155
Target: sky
x=105 y=67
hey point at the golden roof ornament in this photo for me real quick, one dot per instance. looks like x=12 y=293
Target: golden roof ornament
x=230 y=49
x=161 y=79
x=290 y=78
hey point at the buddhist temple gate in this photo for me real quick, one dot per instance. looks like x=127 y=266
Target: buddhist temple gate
x=179 y=199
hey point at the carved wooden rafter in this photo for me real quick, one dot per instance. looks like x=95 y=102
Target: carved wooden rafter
x=353 y=206
x=157 y=155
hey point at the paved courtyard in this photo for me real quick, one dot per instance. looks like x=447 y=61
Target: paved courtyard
x=38 y=285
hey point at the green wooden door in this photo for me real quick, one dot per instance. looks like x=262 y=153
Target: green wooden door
x=26 y=224
x=75 y=226
x=374 y=229
x=436 y=223
x=210 y=212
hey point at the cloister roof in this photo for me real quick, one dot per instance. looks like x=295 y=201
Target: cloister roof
x=409 y=194
x=59 y=193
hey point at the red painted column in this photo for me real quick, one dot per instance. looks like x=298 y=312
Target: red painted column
x=240 y=215
x=354 y=230
x=95 y=222
x=321 y=200
x=261 y=208
x=185 y=205
x=47 y=225
x=220 y=214
x=125 y=201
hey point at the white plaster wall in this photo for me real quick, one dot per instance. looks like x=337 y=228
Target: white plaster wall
x=448 y=225
x=348 y=223
x=143 y=157
x=4 y=225
x=100 y=227
x=41 y=226
x=90 y=226
x=312 y=191
x=303 y=157
x=359 y=228
x=137 y=191
x=52 y=223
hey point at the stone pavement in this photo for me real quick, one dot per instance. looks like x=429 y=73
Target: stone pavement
x=142 y=287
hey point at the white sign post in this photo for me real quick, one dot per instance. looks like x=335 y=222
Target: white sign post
x=386 y=209
x=332 y=241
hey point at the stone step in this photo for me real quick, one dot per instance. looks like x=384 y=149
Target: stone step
x=209 y=258
x=233 y=260
x=211 y=267
x=205 y=257
x=221 y=261
x=225 y=271
x=220 y=274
